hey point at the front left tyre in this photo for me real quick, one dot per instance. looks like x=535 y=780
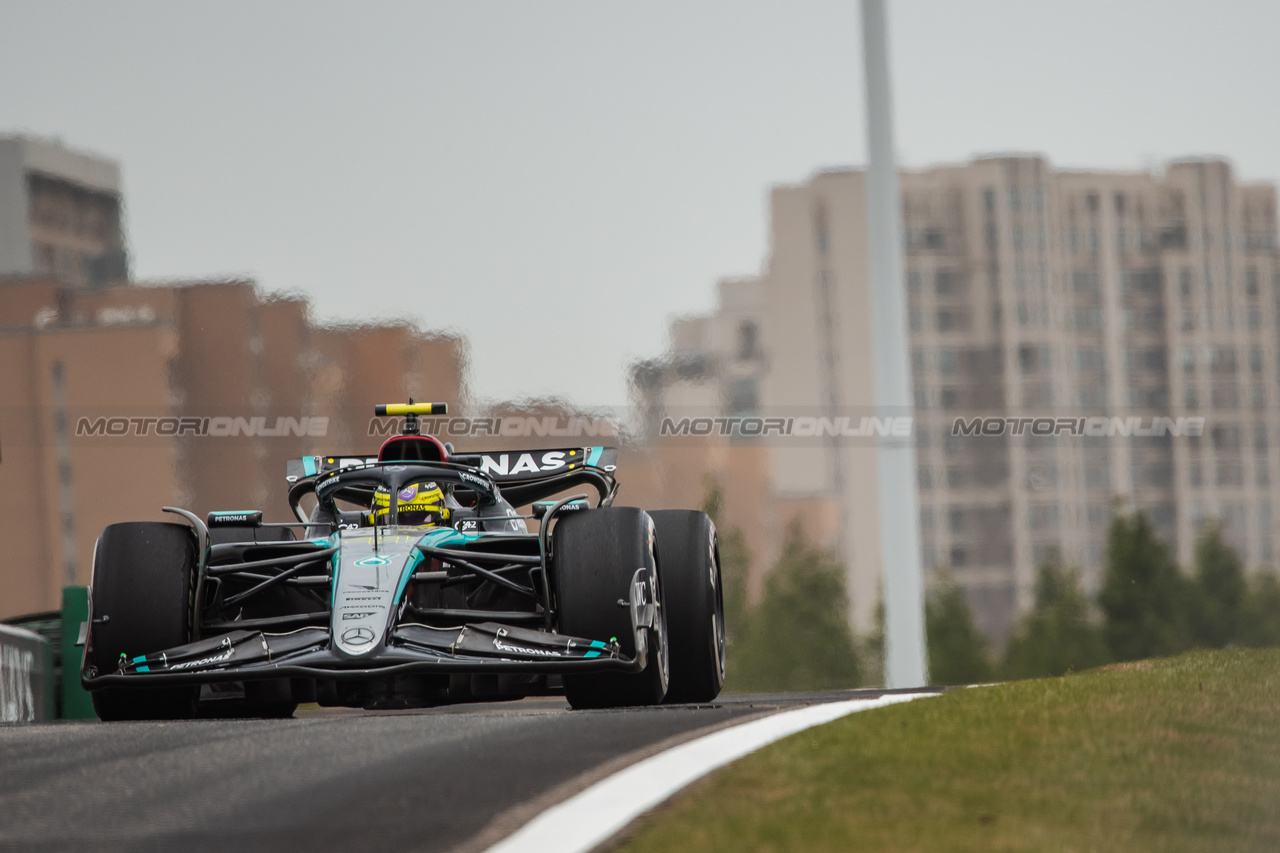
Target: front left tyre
x=141 y=602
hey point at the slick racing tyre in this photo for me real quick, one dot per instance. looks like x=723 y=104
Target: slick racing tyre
x=690 y=559
x=140 y=602
x=595 y=555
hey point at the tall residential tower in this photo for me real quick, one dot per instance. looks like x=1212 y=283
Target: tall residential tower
x=1032 y=292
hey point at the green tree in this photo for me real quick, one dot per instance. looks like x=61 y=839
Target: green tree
x=1260 y=614
x=1217 y=597
x=1142 y=596
x=1057 y=636
x=798 y=637
x=871 y=650
x=735 y=563
x=957 y=649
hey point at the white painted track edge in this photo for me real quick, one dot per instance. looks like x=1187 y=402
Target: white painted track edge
x=593 y=816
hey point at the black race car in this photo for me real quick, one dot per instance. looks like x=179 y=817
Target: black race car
x=411 y=581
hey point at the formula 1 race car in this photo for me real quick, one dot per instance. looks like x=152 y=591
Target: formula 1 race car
x=414 y=582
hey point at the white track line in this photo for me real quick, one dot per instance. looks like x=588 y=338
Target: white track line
x=589 y=818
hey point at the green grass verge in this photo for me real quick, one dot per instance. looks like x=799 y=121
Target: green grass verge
x=1177 y=754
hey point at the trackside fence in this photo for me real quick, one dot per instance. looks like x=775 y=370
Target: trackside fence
x=26 y=677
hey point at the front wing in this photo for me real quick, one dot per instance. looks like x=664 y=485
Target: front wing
x=410 y=648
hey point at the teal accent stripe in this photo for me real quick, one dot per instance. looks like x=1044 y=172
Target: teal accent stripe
x=441 y=537
x=308 y=465
x=592 y=655
x=333 y=584
x=144 y=669
x=411 y=566
x=596 y=644
x=139 y=658
x=596 y=452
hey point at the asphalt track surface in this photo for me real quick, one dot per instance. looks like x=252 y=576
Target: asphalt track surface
x=446 y=779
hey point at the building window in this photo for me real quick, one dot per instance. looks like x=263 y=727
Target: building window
x=1230 y=472
x=820 y=229
x=989 y=200
x=950 y=320
x=1251 y=282
x=1224 y=396
x=1044 y=516
x=1097 y=477
x=1184 y=282
x=742 y=396
x=748 y=340
x=948 y=283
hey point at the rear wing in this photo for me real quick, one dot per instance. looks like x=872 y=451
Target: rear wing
x=504 y=466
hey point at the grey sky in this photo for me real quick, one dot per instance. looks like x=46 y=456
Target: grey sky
x=556 y=179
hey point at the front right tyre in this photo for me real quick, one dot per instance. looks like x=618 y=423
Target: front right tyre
x=141 y=602
x=596 y=553
x=689 y=554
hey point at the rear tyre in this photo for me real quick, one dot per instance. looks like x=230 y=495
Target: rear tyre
x=595 y=555
x=690 y=558
x=140 y=601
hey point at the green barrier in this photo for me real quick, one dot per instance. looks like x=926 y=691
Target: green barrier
x=76 y=703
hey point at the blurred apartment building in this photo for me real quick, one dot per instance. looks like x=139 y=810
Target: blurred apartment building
x=81 y=348
x=1032 y=292
x=60 y=213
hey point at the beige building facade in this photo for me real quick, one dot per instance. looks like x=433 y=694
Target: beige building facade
x=1111 y=304
x=119 y=400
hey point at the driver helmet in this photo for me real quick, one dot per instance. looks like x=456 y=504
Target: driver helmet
x=420 y=504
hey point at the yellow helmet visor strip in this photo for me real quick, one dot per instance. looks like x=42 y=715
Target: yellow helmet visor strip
x=414 y=498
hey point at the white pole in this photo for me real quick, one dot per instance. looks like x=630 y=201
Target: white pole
x=905 y=664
